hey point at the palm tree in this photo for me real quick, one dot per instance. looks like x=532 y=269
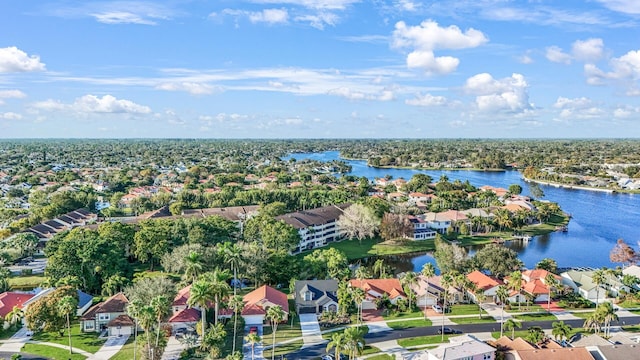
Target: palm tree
x=252 y=339
x=358 y=296
x=502 y=294
x=275 y=314
x=536 y=335
x=113 y=285
x=446 y=281
x=607 y=314
x=553 y=284
x=515 y=284
x=409 y=279
x=147 y=317
x=339 y=342
x=219 y=288
x=66 y=307
x=232 y=254
x=480 y=297
x=560 y=330
x=511 y=325
x=160 y=305
x=133 y=310
x=200 y=295
x=593 y=322
x=380 y=268
x=354 y=339
x=14 y=316
x=192 y=266
x=428 y=271
x=599 y=277
x=236 y=304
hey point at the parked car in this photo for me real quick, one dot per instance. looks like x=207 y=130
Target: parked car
x=253 y=330
x=449 y=330
x=437 y=308
x=180 y=332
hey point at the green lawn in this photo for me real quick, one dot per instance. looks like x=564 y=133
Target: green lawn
x=382 y=357
x=583 y=315
x=524 y=308
x=635 y=311
x=635 y=328
x=407 y=324
x=540 y=316
x=283 y=332
x=86 y=341
x=354 y=249
x=465 y=309
x=423 y=340
x=473 y=320
x=404 y=315
x=50 y=352
x=629 y=304
x=26 y=282
x=126 y=353
x=285 y=349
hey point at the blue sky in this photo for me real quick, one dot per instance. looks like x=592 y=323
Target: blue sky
x=320 y=69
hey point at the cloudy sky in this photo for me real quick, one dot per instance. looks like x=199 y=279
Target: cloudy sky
x=320 y=69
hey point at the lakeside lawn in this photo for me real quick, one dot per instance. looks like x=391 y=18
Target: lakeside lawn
x=355 y=249
x=540 y=316
x=50 y=352
x=473 y=320
x=85 y=341
x=26 y=282
x=408 y=324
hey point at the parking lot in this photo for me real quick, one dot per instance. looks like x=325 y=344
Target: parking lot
x=36 y=265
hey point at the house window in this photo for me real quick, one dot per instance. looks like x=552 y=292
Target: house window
x=88 y=325
x=486 y=357
x=307 y=296
x=103 y=317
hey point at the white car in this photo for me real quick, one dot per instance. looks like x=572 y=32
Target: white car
x=437 y=308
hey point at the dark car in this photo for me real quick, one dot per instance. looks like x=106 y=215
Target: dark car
x=448 y=331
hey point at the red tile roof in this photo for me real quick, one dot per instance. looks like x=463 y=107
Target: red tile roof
x=391 y=287
x=186 y=315
x=121 y=320
x=482 y=281
x=262 y=298
x=182 y=297
x=10 y=299
x=115 y=304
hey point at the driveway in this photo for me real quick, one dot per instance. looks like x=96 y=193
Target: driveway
x=257 y=349
x=110 y=348
x=311 y=334
x=16 y=342
x=173 y=349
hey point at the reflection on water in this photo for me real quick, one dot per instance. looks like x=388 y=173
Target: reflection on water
x=599 y=219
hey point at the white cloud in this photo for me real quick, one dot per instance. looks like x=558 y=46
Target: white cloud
x=525 y=59
x=555 y=54
x=508 y=95
x=624 y=70
x=589 y=50
x=623 y=6
x=117 y=12
x=626 y=112
x=190 y=87
x=319 y=20
x=427 y=100
x=577 y=108
x=384 y=95
x=122 y=17
x=270 y=16
x=13 y=59
x=427 y=37
x=11 y=94
x=408 y=5
x=10 y=116
x=313 y=4
x=94 y=104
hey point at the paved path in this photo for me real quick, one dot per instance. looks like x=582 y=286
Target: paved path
x=60 y=346
x=495 y=311
x=311 y=333
x=377 y=326
x=173 y=349
x=16 y=342
x=391 y=347
x=110 y=348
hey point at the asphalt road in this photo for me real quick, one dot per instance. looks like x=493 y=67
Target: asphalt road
x=314 y=352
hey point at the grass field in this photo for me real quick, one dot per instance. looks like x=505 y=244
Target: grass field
x=423 y=340
x=407 y=324
x=283 y=332
x=404 y=315
x=523 y=308
x=473 y=320
x=382 y=357
x=50 y=352
x=86 y=341
x=26 y=282
x=583 y=315
x=465 y=309
x=540 y=316
x=126 y=353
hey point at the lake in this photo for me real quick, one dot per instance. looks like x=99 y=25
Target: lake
x=598 y=218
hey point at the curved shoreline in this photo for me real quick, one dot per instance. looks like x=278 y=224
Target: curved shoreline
x=577 y=187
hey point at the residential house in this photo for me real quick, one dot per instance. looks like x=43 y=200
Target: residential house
x=619 y=352
x=180 y=300
x=187 y=317
x=465 y=347
x=11 y=299
x=256 y=304
x=441 y=221
x=486 y=284
x=109 y=315
x=500 y=192
x=428 y=290
x=316 y=227
x=316 y=296
x=378 y=288
x=421 y=229
x=534 y=284
x=84 y=300
x=508 y=348
x=581 y=281
x=555 y=354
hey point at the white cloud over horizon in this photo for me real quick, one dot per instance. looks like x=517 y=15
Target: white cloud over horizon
x=14 y=60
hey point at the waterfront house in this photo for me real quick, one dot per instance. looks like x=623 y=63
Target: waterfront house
x=378 y=288
x=421 y=229
x=581 y=281
x=316 y=227
x=316 y=296
x=488 y=285
x=534 y=284
x=428 y=290
x=441 y=221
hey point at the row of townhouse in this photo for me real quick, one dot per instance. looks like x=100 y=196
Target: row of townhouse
x=46 y=230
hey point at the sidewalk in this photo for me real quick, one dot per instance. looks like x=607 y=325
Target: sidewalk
x=16 y=342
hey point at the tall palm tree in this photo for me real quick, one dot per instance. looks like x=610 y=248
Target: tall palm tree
x=337 y=342
x=502 y=294
x=252 y=339
x=147 y=317
x=232 y=254
x=113 y=285
x=593 y=322
x=515 y=284
x=133 y=310
x=553 y=284
x=599 y=277
x=15 y=316
x=275 y=315
x=380 y=268
x=511 y=325
x=160 y=305
x=354 y=339
x=200 y=295
x=428 y=271
x=409 y=279
x=358 y=296
x=68 y=305
x=236 y=304
x=219 y=288
x=446 y=281
x=607 y=314
x=193 y=266
x=560 y=330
